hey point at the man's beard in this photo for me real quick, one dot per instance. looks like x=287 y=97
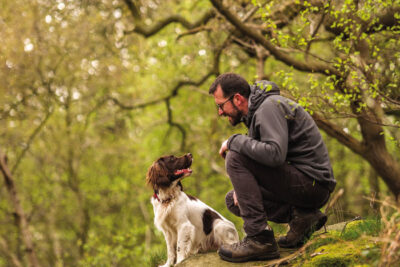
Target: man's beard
x=237 y=117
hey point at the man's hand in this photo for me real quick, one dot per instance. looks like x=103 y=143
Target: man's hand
x=224 y=148
x=235 y=199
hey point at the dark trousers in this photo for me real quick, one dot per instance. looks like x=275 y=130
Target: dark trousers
x=269 y=193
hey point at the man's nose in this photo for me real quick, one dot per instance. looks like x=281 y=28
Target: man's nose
x=220 y=112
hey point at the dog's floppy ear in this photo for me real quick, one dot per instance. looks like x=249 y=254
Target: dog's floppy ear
x=157 y=175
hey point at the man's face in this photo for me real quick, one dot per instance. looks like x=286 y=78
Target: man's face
x=226 y=107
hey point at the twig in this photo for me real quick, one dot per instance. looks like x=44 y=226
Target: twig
x=290 y=257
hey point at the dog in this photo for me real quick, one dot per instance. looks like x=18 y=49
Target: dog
x=189 y=225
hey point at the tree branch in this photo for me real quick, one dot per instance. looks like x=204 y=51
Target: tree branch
x=137 y=106
x=316 y=29
x=148 y=31
x=259 y=38
x=381 y=23
x=194 y=31
x=340 y=135
x=30 y=140
x=4 y=247
x=175 y=124
x=133 y=9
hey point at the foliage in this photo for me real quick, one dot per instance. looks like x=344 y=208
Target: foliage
x=88 y=102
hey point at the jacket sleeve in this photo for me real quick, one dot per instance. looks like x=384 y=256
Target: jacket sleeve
x=271 y=125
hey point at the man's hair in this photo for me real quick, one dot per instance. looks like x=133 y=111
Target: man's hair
x=231 y=83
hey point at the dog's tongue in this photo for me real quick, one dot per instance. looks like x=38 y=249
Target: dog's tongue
x=177 y=172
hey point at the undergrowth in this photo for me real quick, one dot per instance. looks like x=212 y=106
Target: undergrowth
x=368 y=242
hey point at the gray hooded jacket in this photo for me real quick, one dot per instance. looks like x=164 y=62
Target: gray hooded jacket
x=281 y=131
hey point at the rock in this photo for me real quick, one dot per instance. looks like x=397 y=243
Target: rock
x=325 y=249
x=212 y=259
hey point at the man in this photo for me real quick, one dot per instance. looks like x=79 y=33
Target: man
x=280 y=171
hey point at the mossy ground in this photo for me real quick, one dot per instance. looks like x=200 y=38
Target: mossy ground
x=351 y=244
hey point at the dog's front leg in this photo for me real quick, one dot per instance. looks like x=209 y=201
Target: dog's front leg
x=185 y=241
x=171 y=240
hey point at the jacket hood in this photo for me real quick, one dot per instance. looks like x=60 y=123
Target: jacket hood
x=259 y=91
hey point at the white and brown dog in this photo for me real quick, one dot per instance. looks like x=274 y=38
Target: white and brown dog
x=189 y=225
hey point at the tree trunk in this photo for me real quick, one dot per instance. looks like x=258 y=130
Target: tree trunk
x=385 y=166
x=375 y=151
x=21 y=220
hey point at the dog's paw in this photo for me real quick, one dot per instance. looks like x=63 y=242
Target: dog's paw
x=167 y=264
x=180 y=259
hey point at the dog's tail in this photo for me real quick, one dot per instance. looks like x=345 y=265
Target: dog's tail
x=225 y=232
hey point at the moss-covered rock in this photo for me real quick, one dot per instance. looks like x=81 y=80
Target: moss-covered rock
x=353 y=245
x=337 y=254
x=355 y=229
x=347 y=244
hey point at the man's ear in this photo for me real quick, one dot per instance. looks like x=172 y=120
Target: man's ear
x=239 y=99
x=157 y=176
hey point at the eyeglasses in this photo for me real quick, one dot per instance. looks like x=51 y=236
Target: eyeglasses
x=221 y=106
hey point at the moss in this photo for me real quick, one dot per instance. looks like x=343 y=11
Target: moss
x=321 y=241
x=355 y=229
x=330 y=261
x=337 y=254
x=340 y=253
x=279 y=229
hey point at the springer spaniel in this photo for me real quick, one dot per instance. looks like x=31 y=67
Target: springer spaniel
x=189 y=225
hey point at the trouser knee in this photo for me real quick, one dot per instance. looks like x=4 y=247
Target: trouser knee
x=233 y=161
x=230 y=204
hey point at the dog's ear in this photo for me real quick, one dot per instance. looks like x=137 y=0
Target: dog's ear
x=157 y=175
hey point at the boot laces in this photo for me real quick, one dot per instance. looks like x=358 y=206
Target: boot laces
x=242 y=243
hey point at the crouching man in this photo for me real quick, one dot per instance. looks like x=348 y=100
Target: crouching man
x=280 y=171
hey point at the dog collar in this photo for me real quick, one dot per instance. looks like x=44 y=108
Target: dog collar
x=156 y=196
x=164 y=201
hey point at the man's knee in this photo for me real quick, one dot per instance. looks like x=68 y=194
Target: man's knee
x=233 y=160
x=230 y=204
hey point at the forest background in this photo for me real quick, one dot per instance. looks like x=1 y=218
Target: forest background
x=92 y=92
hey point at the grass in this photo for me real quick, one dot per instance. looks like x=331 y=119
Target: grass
x=157 y=257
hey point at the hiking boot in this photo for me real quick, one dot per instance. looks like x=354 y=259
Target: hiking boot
x=302 y=226
x=260 y=247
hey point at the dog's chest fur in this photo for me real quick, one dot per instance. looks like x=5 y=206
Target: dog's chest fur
x=169 y=208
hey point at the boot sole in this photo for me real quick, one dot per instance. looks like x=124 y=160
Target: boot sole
x=318 y=225
x=251 y=258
